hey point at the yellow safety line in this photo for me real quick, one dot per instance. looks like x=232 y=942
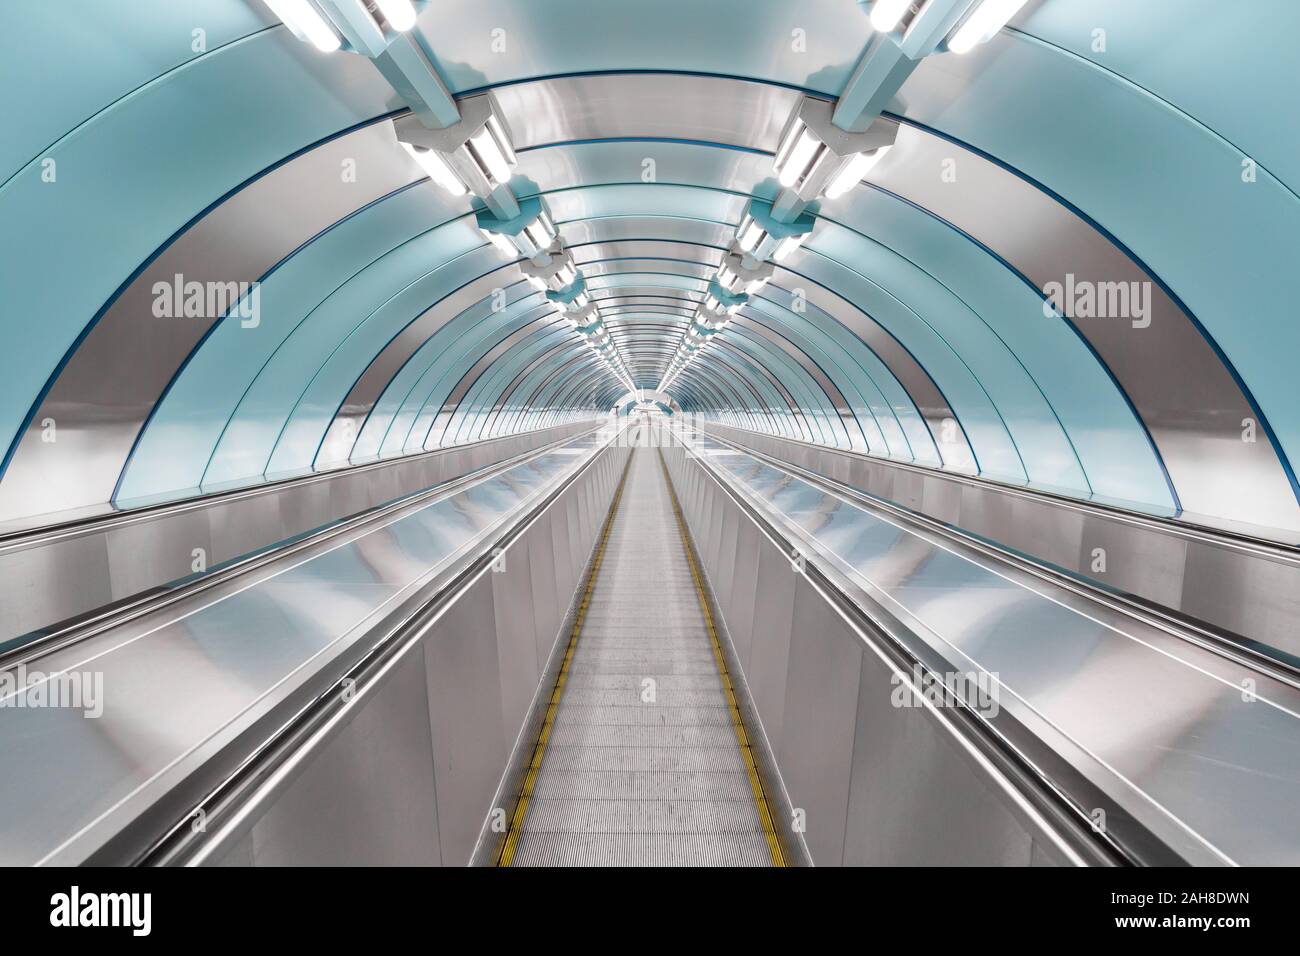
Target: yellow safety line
x=511 y=843
x=737 y=722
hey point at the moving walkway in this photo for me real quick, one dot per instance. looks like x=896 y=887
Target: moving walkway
x=643 y=758
x=644 y=645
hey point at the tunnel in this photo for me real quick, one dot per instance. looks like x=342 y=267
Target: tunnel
x=574 y=433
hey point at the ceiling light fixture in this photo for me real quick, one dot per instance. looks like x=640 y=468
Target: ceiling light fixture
x=737 y=277
x=437 y=168
x=477 y=149
x=555 y=274
x=814 y=154
x=762 y=236
x=528 y=234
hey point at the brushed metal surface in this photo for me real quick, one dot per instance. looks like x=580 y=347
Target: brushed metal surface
x=1248 y=589
x=516 y=633
x=916 y=799
x=816 y=750
x=335 y=814
x=1185 y=762
x=470 y=743
x=672 y=106
x=215 y=666
x=900 y=793
x=54 y=576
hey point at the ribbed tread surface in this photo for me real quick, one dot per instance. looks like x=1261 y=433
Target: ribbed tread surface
x=637 y=774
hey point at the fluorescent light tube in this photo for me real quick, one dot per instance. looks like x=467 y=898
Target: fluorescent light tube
x=433 y=164
x=886 y=14
x=800 y=160
x=749 y=235
x=990 y=17
x=788 y=245
x=304 y=19
x=490 y=157
x=504 y=245
x=399 y=13
x=854 y=172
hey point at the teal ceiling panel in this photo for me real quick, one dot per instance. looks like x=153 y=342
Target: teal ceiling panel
x=1170 y=190
x=1106 y=437
x=243 y=454
x=462 y=256
x=118 y=196
x=178 y=442
x=1045 y=449
x=389 y=425
x=108 y=56
x=1229 y=67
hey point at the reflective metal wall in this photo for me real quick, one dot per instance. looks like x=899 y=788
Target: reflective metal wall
x=53 y=576
x=458 y=699
x=1248 y=588
x=866 y=783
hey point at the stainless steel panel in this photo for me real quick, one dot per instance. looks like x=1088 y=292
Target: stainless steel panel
x=53 y=577
x=917 y=798
x=470 y=743
x=710 y=109
x=721 y=577
x=241 y=526
x=1059 y=533
x=44 y=585
x=218 y=663
x=577 y=550
x=817 y=730
x=1077 y=672
x=548 y=602
x=585 y=495
x=739 y=612
x=562 y=556
x=516 y=631
x=241 y=854
x=769 y=655
x=1260 y=598
x=1152 y=565
x=368 y=798
x=146 y=554
x=1247 y=588
x=713 y=531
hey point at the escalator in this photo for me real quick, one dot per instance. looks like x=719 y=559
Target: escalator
x=643 y=757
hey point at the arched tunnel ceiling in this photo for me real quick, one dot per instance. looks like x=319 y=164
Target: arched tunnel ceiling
x=909 y=327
